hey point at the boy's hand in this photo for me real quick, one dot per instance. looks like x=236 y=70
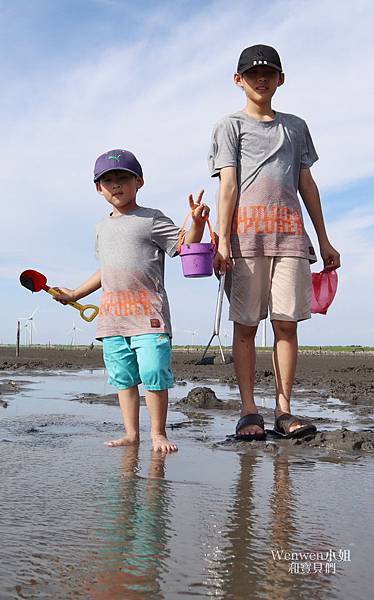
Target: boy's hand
x=64 y=295
x=200 y=211
x=222 y=260
x=330 y=257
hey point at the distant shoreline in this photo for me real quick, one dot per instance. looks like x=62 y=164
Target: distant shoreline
x=188 y=347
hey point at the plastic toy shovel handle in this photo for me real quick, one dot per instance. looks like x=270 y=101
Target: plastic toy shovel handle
x=81 y=307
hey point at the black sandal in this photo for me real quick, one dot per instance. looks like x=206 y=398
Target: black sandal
x=283 y=422
x=250 y=419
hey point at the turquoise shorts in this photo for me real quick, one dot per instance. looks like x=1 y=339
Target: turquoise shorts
x=138 y=359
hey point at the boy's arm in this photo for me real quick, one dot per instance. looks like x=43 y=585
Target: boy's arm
x=310 y=195
x=92 y=284
x=200 y=213
x=228 y=196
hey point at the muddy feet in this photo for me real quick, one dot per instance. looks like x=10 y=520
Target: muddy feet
x=161 y=443
x=124 y=441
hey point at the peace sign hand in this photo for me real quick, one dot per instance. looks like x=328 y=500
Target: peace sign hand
x=199 y=210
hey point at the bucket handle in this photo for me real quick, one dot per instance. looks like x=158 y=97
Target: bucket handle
x=183 y=231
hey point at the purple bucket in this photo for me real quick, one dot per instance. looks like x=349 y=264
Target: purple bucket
x=197 y=259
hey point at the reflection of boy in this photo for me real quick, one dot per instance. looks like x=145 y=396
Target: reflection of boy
x=263 y=159
x=134 y=319
x=135 y=532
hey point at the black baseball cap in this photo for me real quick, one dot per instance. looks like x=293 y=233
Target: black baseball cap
x=259 y=55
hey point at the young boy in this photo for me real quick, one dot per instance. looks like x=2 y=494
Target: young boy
x=134 y=319
x=263 y=159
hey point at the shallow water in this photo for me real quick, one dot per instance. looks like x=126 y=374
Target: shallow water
x=80 y=520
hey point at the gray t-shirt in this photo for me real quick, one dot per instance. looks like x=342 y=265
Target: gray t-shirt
x=131 y=250
x=268 y=156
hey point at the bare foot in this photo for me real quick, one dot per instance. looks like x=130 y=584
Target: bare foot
x=162 y=444
x=125 y=441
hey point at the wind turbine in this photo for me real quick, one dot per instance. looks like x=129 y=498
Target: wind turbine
x=192 y=333
x=25 y=327
x=73 y=332
x=32 y=324
x=226 y=337
x=19 y=320
x=28 y=326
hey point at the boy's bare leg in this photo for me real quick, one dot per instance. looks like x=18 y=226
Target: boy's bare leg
x=129 y=403
x=157 y=404
x=284 y=362
x=244 y=354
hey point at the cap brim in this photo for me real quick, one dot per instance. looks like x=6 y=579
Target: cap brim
x=249 y=67
x=97 y=177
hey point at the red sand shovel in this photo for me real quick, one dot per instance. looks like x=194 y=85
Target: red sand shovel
x=35 y=281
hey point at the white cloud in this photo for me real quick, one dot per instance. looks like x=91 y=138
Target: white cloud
x=160 y=98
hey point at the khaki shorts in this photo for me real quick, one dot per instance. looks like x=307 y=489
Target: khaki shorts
x=281 y=284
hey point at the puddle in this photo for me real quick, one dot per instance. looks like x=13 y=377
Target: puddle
x=52 y=394
x=331 y=411
x=80 y=520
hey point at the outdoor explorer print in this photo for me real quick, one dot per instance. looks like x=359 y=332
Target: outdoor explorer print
x=131 y=250
x=268 y=155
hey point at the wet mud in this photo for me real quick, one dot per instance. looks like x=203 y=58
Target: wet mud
x=345 y=377
x=81 y=520
x=8 y=387
x=205 y=398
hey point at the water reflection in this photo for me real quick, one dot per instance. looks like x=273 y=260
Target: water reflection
x=134 y=559
x=134 y=537
x=100 y=529
x=246 y=568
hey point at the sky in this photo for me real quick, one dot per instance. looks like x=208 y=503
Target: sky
x=80 y=77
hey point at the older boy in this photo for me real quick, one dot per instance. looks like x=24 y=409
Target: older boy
x=134 y=319
x=263 y=159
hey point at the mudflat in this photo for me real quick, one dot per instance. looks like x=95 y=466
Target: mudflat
x=347 y=376
x=213 y=519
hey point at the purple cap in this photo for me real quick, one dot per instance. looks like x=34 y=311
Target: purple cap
x=121 y=160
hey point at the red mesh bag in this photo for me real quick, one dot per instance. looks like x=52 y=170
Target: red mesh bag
x=324 y=286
